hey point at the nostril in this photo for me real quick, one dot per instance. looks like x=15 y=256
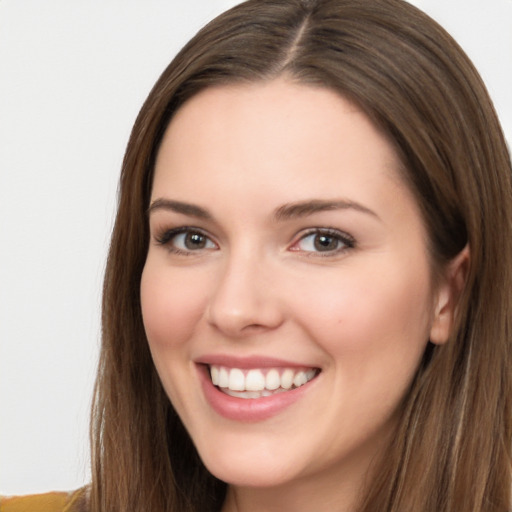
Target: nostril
x=254 y=327
x=243 y=320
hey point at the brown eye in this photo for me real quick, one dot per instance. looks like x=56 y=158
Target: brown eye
x=193 y=241
x=326 y=243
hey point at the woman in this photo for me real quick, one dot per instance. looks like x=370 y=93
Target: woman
x=307 y=297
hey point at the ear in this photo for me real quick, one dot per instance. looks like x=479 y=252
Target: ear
x=448 y=294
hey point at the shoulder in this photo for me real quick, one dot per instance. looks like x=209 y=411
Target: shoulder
x=75 y=501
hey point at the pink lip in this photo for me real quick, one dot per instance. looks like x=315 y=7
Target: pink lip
x=248 y=410
x=247 y=362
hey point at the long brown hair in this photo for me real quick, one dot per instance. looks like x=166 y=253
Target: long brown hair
x=452 y=448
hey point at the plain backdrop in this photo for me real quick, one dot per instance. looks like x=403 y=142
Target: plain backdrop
x=73 y=74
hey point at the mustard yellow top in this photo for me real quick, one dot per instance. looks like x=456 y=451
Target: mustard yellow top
x=49 y=502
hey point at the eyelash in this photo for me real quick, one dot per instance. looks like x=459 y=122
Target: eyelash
x=346 y=240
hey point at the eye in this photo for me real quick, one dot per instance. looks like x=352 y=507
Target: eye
x=186 y=240
x=329 y=241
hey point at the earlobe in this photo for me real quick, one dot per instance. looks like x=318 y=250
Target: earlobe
x=448 y=295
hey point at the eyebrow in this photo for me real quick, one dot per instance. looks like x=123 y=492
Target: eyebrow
x=285 y=212
x=179 y=207
x=305 y=208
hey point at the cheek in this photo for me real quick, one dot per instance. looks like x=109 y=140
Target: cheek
x=373 y=326
x=363 y=319
x=172 y=305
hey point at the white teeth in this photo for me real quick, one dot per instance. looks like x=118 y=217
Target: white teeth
x=243 y=394
x=223 y=378
x=287 y=379
x=252 y=394
x=299 y=379
x=272 y=380
x=214 y=372
x=236 y=380
x=256 y=383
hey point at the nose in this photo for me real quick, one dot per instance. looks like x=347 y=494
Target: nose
x=245 y=300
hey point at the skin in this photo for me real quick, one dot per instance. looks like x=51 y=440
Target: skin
x=362 y=312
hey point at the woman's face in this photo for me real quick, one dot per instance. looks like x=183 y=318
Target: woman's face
x=288 y=264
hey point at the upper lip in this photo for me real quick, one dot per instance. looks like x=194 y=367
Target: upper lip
x=247 y=362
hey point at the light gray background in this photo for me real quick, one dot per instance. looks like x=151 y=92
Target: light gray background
x=73 y=74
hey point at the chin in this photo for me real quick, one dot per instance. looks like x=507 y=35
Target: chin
x=251 y=475
x=259 y=467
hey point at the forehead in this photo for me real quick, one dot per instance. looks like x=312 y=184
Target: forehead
x=278 y=118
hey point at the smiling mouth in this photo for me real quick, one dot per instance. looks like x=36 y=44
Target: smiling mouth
x=258 y=383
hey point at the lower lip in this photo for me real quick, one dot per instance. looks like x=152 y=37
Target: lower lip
x=248 y=409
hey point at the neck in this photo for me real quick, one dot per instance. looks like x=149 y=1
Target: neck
x=278 y=499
